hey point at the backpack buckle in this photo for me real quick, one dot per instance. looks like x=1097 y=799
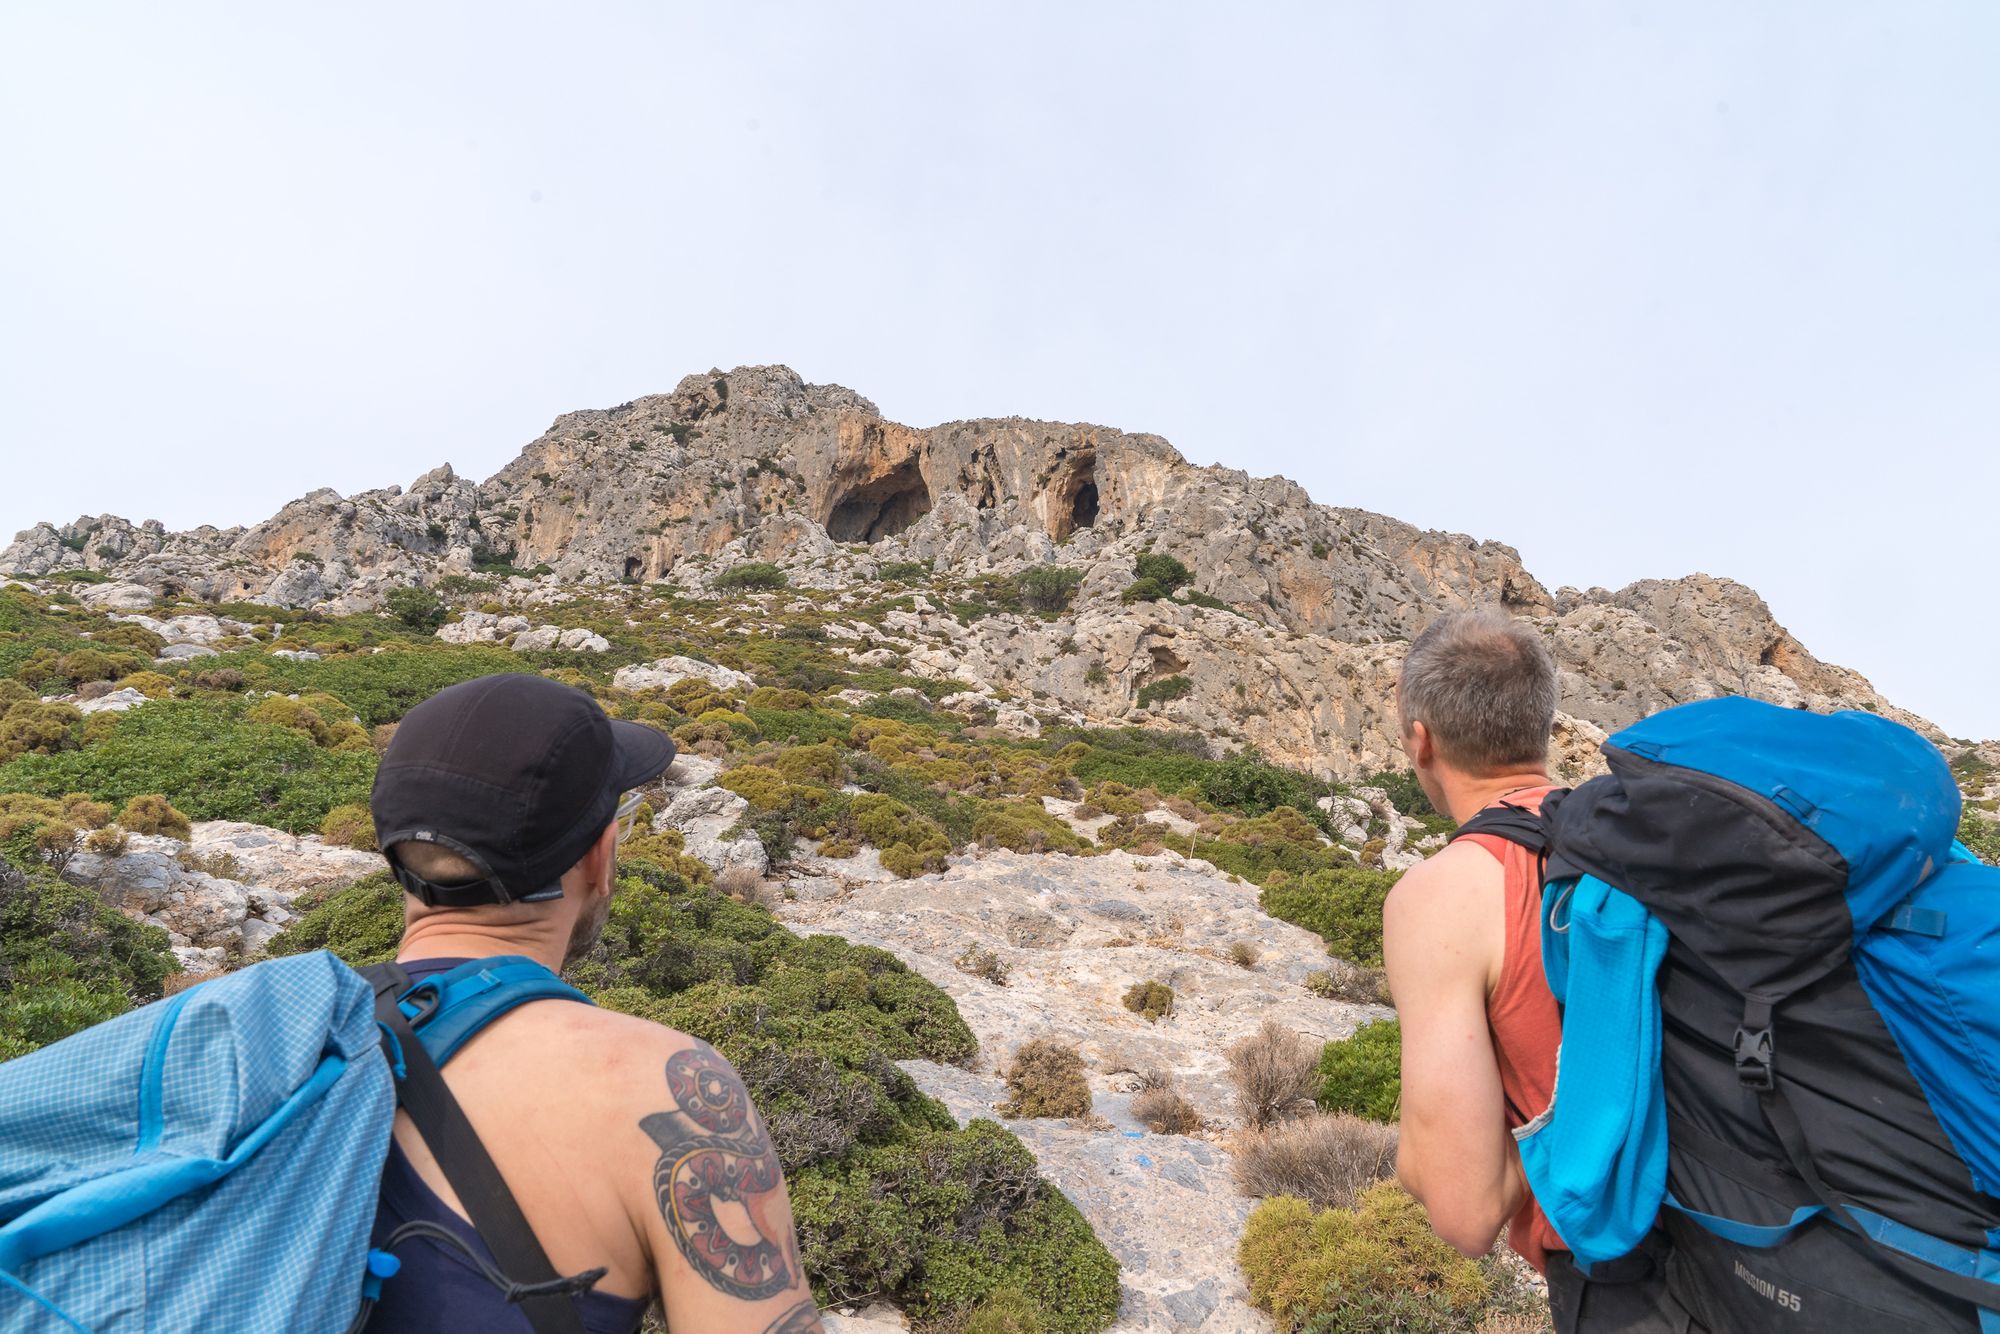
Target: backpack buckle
x=1755 y=1054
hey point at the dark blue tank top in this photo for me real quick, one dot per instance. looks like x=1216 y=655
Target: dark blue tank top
x=438 y=1290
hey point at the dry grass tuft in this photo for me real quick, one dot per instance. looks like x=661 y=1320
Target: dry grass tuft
x=744 y=884
x=1160 y=1105
x=1274 y=1070
x=1325 y=1160
x=1244 y=954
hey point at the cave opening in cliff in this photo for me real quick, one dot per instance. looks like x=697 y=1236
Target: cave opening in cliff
x=633 y=567
x=882 y=508
x=1076 y=496
x=1083 y=510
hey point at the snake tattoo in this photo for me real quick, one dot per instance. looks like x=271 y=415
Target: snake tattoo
x=718 y=1183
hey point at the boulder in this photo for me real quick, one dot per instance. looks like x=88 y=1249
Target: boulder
x=665 y=673
x=122 y=597
x=538 y=640
x=116 y=702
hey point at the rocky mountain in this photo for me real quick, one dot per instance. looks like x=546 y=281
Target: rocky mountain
x=1287 y=637
x=966 y=710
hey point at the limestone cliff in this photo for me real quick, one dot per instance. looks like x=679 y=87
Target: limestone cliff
x=1303 y=611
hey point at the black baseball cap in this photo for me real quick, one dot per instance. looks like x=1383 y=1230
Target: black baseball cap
x=517 y=773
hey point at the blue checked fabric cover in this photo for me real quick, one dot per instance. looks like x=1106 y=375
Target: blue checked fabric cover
x=207 y=1162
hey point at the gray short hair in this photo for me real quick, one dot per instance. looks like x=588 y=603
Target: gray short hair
x=1484 y=686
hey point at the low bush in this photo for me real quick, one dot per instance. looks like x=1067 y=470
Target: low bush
x=1375 y=1267
x=1162 y=574
x=1047 y=588
x=1024 y=826
x=750 y=575
x=1343 y=904
x=1363 y=1074
x=154 y=814
x=362 y=923
x=378 y=687
x=1274 y=1070
x=349 y=826
x=216 y=765
x=1981 y=836
x=1244 y=953
x=417 y=608
x=30 y=727
x=1326 y=1160
x=1046 y=1078
x=1154 y=1000
x=67 y=961
x=1163 y=690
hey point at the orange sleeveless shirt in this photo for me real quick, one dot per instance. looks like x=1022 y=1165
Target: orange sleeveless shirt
x=1527 y=1026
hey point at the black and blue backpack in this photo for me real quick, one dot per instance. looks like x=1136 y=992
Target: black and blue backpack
x=212 y=1161
x=1780 y=983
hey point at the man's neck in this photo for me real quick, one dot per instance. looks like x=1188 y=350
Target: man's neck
x=1465 y=797
x=441 y=938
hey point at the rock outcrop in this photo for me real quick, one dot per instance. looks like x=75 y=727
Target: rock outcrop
x=1288 y=640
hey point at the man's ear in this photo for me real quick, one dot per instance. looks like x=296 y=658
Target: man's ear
x=1423 y=750
x=602 y=859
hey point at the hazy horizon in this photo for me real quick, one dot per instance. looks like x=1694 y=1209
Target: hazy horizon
x=1638 y=290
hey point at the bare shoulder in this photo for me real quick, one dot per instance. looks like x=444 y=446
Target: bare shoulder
x=1445 y=920
x=1446 y=879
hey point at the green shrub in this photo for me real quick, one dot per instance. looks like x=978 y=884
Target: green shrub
x=750 y=575
x=1007 y=1311
x=1405 y=793
x=418 y=608
x=1143 y=590
x=1244 y=783
x=1024 y=826
x=33 y=728
x=1163 y=570
x=1046 y=1078
x=216 y=766
x=904 y=571
x=901 y=1222
x=1343 y=904
x=380 y=687
x=1154 y=1000
x=350 y=826
x=362 y=923
x=68 y=961
x=1377 y=1266
x=1981 y=835
x=1363 y=1074
x=1165 y=689
x=1047 y=588
x=154 y=814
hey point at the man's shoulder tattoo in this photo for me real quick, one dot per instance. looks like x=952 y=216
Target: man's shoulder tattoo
x=718 y=1184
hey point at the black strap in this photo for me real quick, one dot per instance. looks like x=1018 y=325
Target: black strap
x=543 y=1295
x=1785 y=1122
x=1516 y=824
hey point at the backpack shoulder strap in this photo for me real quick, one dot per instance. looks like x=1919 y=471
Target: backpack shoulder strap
x=543 y=1295
x=1516 y=824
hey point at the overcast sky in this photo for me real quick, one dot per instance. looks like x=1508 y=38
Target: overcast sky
x=1639 y=289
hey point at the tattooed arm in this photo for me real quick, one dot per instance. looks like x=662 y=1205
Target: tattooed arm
x=730 y=1258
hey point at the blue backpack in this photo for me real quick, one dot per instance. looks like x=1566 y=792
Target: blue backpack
x=1780 y=981
x=211 y=1161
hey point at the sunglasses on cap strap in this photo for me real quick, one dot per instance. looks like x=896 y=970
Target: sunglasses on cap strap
x=627 y=814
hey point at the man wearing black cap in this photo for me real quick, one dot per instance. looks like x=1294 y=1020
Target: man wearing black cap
x=630 y=1148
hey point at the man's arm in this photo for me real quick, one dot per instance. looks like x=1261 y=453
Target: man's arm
x=1442 y=937
x=724 y=1248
